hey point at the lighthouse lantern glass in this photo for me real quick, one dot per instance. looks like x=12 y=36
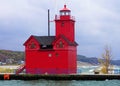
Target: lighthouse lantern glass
x=64 y=13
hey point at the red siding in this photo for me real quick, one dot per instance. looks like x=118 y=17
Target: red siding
x=52 y=62
x=72 y=60
x=67 y=29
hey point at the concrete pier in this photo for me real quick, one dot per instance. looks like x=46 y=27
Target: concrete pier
x=58 y=77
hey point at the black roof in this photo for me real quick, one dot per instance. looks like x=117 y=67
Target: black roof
x=45 y=40
x=69 y=42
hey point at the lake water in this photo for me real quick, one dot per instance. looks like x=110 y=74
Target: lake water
x=60 y=83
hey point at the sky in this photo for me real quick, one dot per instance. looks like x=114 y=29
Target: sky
x=97 y=23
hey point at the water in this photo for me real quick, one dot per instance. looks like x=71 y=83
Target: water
x=60 y=83
x=86 y=69
x=90 y=69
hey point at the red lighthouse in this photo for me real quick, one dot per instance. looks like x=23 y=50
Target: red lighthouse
x=53 y=54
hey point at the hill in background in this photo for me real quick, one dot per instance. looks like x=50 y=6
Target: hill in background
x=15 y=57
x=11 y=57
x=94 y=60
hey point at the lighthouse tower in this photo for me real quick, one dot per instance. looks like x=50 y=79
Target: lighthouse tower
x=65 y=24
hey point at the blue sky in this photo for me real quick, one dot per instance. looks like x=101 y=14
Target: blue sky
x=97 y=23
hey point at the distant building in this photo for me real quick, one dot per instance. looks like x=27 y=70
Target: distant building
x=53 y=54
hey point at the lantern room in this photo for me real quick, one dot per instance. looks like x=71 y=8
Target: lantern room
x=65 y=11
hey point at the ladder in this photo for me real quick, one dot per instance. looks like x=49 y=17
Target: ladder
x=20 y=69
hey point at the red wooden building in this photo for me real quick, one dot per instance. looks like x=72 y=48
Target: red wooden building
x=53 y=54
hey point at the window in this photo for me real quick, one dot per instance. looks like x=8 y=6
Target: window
x=44 y=46
x=32 y=45
x=62 y=24
x=64 y=13
x=57 y=45
x=50 y=55
x=57 y=54
x=61 y=13
x=60 y=44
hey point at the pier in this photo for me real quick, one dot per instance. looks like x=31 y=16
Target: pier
x=58 y=77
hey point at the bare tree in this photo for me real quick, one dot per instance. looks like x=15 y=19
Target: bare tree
x=105 y=60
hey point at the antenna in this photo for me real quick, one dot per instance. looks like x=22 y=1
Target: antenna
x=56 y=7
x=48 y=22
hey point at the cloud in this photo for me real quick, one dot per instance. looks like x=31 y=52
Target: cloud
x=97 y=23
